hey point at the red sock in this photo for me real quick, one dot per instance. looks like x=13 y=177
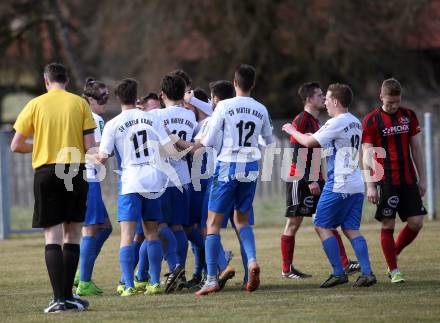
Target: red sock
x=389 y=247
x=406 y=236
x=287 y=247
x=344 y=258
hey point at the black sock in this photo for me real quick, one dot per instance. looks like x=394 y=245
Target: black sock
x=55 y=268
x=71 y=258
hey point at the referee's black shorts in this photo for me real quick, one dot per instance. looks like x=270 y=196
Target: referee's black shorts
x=299 y=199
x=54 y=203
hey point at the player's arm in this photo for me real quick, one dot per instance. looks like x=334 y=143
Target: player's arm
x=215 y=125
x=106 y=145
x=19 y=144
x=89 y=140
x=367 y=162
x=417 y=156
x=183 y=145
x=168 y=145
x=266 y=132
x=23 y=129
x=200 y=104
x=303 y=139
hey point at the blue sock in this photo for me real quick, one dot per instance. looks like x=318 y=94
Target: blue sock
x=126 y=259
x=331 y=248
x=87 y=257
x=182 y=246
x=137 y=248
x=361 y=250
x=155 y=260
x=170 y=248
x=248 y=240
x=142 y=272
x=198 y=246
x=244 y=261
x=101 y=236
x=221 y=261
x=212 y=248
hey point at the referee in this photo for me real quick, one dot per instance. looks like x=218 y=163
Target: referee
x=58 y=121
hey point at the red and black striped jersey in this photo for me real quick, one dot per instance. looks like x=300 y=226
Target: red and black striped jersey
x=305 y=123
x=393 y=132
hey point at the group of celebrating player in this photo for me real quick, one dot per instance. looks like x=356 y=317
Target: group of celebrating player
x=189 y=164
x=165 y=196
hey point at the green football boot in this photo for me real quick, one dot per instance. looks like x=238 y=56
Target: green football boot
x=397 y=277
x=141 y=286
x=131 y=291
x=154 y=289
x=88 y=289
x=120 y=289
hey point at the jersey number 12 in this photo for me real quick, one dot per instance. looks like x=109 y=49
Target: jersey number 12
x=248 y=125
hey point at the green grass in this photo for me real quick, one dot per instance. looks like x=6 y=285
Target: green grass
x=25 y=289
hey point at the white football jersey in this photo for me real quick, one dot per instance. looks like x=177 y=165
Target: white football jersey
x=242 y=120
x=91 y=168
x=182 y=122
x=135 y=136
x=340 y=138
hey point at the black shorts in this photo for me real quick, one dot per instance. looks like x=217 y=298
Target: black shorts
x=54 y=204
x=404 y=199
x=299 y=200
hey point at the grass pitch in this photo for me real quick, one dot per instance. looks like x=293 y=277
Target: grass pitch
x=25 y=288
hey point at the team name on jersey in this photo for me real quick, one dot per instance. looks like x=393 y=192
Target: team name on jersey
x=246 y=111
x=134 y=122
x=352 y=125
x=179 y=121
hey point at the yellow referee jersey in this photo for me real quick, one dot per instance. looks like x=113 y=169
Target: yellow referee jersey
x=57 y=120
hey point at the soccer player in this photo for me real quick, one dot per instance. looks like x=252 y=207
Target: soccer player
x=396 y=130
x=198 y=186
x=149 y=102
x=175 y=200
x=59 y=209
x=131 y=136
x=97 y=226
x=342 y=198
x=302 y=195
x=203 y=166
x=242 y=119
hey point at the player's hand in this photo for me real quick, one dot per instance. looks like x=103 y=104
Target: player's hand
x=188 y=96
x=167 y=130
x=372 y=194
x=422 y=187
x=288 y=128
x=314 y=188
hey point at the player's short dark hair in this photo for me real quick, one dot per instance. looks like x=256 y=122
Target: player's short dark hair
x=184 y=76
x=307 y=90
x=222 y=89
x=245 y=77
x=391 y=87
x=92 y=88
x=173 y=86
x=126 y=91
x=200 y=94
x=56 y=72
x=149 y=96
x=342 y=93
